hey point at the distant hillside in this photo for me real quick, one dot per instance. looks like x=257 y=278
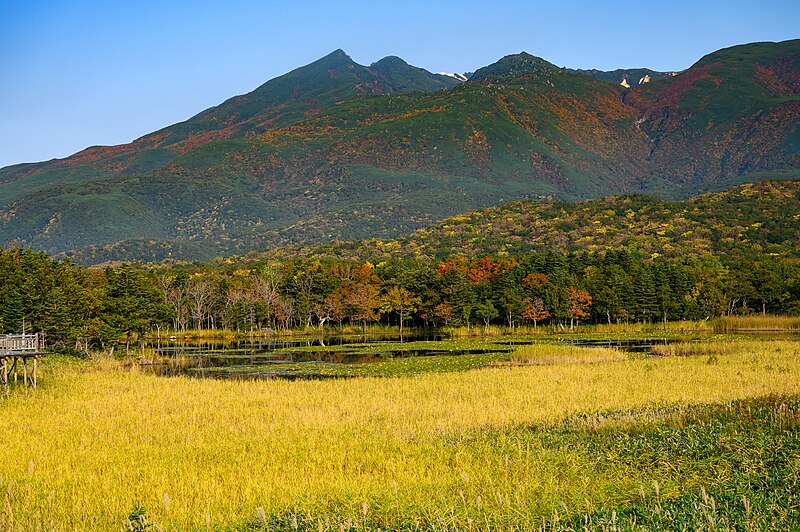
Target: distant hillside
x=337 y=151
x=744 y=221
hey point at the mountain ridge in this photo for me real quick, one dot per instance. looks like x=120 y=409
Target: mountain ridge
x=276 y=103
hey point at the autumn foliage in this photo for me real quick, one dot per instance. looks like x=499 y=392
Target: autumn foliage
x=476 y=271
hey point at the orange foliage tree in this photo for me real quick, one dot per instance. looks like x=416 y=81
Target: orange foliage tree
x=578 y=303
x=535 y=310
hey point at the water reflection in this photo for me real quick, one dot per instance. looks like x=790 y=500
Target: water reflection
x=246 y=359
x=293 y=358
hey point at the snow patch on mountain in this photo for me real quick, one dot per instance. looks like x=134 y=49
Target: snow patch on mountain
x=459 y=77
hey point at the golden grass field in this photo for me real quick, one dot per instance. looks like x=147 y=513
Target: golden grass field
x=438 y=450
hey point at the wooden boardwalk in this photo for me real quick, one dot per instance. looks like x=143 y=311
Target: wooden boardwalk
x=16 y=350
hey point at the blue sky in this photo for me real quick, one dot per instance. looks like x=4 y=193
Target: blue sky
x=79 y=73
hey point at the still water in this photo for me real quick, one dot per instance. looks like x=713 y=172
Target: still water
x=268 y=358
x=301 y=358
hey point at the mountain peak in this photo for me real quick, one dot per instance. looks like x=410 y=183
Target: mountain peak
x=513 y=65
x=389 y=60
x=337 y=56
x=403 y=77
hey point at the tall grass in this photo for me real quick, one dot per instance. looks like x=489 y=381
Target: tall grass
x=97 y=444
x=756 y=322
x=721 y=325
x=542 y=354
x=703 y=348
x=583 y=328
x=329 y=329
x=649 y=328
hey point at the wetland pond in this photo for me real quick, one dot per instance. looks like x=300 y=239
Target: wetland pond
x=341 y=356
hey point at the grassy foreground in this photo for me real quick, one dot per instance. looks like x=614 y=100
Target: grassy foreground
x=706 y=440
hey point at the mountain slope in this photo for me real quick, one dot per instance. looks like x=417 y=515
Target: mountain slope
x=303 y=92
x=734 y=116
x=387 y=164
x=747 y=221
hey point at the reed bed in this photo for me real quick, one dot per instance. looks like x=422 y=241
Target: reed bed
x=682 y=327
x=699 y=348
x=543 y=354
x=721 y=347
x=99 y=447
x=298 y=332
x=657 y=328
x=756 y=322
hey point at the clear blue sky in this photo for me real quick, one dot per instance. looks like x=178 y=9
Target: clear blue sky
x=77 y=73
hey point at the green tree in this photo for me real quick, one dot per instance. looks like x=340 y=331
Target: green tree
x=400 y=300
x=132 y=304
x=486 y=312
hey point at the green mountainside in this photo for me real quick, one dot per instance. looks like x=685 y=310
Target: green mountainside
x=733 y=117
x=336 y=151
x=512 y=66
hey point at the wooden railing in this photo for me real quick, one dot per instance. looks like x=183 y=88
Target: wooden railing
x=19 y=343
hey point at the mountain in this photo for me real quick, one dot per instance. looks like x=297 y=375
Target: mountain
x=338 y=151
x=369 y=166
x=285 y=100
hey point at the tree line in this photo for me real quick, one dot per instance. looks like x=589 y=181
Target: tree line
x=85 y=308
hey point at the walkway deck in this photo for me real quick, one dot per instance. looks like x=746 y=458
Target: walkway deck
x=16 y=348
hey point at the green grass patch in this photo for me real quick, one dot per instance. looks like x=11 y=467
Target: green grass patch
x=395 y=367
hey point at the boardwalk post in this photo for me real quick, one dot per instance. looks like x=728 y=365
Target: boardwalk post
x=34 y=371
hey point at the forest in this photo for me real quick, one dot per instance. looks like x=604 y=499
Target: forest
x=82 y=309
